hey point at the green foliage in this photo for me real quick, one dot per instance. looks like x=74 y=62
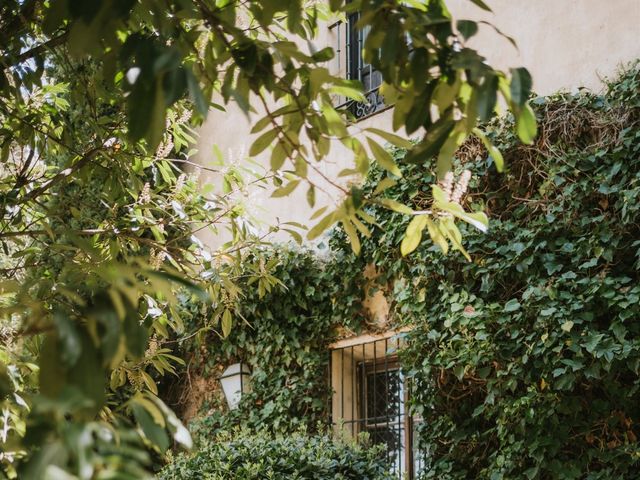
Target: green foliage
x=158 y=53
x=282 y=331
x=96 y=244
x=98 y=100
x=525 y=362
x=247 y=456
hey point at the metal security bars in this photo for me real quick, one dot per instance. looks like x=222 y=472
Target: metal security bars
x=370 y=395
x=349 y=61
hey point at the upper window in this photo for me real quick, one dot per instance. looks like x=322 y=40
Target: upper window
x=357 y=68
x=350 y=63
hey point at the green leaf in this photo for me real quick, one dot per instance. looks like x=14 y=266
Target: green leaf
x=135 y=335
x=413 y=235
x=69 y=339
x=450 y=230
x=335 y=122
x=512 y=305
x=348 y=92
x=482 y=5
x=383 y=184
x=495 y=154
x=154 y=432
x=353 y=236
x=323 y=55
x=311 y=196
x=445 y=156
x=395 y=206
x=88 y=375
x=278 y=156
x=521 y=84
x=384 y=158
x=526 y=125
x=321 y=226
x=197 y=96
x=286 y=190
x=52 y=375
x=392 y=138
x=431 y=144
x=487 y=97
x=567 y=326
x=37 y=466
x=467 y=28
x=146 y=111
x=226 y=322
x=445 y=93
x=478 y=219
x=262 y=142
x=6 y=385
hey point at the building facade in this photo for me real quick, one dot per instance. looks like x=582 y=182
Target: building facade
x=566 y=45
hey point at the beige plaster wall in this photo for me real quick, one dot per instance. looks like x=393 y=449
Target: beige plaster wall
x=566 y=44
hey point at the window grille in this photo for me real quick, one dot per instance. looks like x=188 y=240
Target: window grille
x=349 y=42
x=370 y=395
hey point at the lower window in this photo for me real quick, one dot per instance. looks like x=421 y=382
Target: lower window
x=370 y=396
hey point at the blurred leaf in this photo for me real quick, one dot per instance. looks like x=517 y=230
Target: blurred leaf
x=384 y=158
x=526 y=125
x=521 y=84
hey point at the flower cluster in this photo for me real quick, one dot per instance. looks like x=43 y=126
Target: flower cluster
x=454 y=193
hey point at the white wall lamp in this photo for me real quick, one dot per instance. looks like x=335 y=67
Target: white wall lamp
x=235 y=382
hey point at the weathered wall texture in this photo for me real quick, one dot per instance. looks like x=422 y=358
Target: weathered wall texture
x=566 y=44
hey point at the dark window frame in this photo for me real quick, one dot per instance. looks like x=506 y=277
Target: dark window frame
x=357 y=69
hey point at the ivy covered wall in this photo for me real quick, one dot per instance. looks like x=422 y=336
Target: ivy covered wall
x=282 y=328
x=525 y=360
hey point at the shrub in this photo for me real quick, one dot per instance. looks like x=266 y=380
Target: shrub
x=248 y=456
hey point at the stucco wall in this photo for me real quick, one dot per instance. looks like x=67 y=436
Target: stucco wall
x=566 y=44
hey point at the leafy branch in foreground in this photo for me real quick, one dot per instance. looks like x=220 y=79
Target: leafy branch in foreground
x=98 y=100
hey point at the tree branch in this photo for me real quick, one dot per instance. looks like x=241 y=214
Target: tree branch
x=12 y=60
x=86 y=158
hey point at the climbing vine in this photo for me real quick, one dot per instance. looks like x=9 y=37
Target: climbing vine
x=283 y=326
x=524 y=360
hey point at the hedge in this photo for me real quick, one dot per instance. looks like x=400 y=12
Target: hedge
x=251 y=456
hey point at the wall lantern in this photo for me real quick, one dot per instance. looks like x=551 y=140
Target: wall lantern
x=235 y=382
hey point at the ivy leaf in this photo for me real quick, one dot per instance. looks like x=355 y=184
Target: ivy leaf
x=512 y=305
x=567 y=326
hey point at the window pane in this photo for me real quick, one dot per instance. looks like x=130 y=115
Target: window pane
x=384 y=395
